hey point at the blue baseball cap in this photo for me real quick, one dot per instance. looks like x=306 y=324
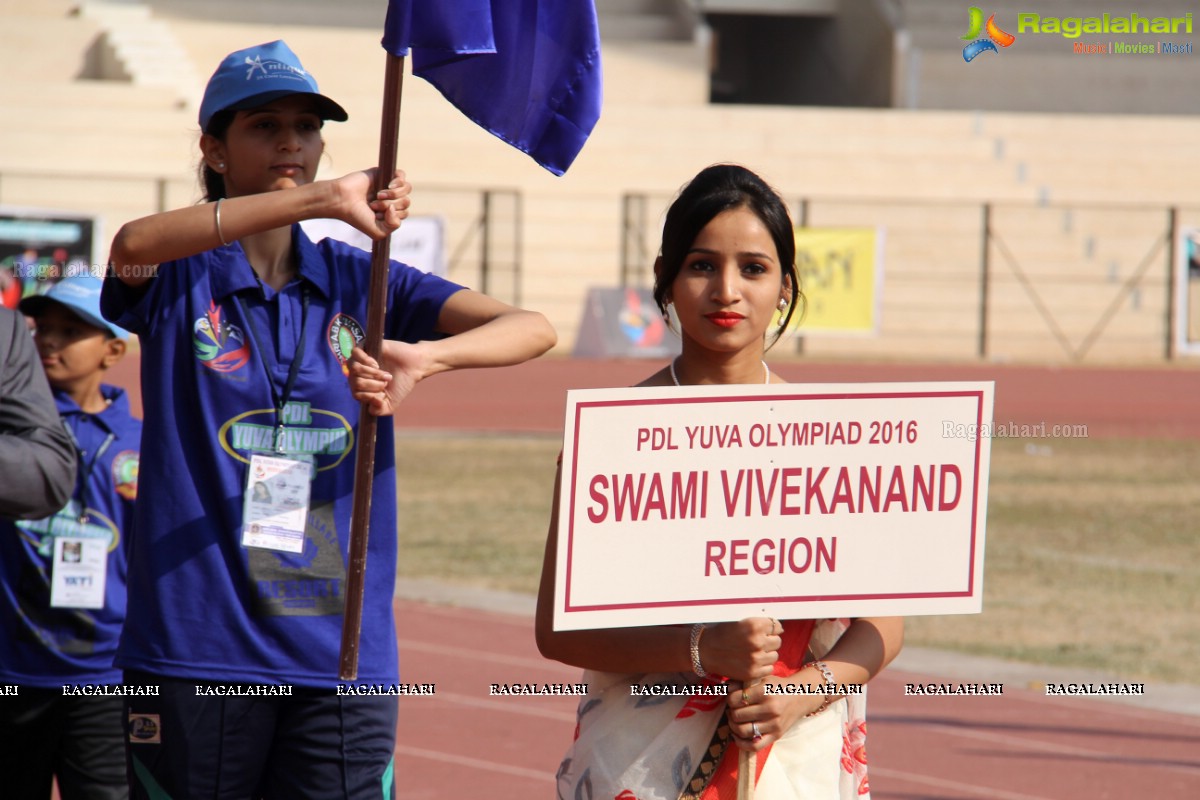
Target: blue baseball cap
x=79 y=293
x=257 y=75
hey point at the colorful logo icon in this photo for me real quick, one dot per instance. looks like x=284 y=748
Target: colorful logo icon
x=218 y=344
x=343 y=336
x=125 y=473
x=642 y=326
x=144 y=729
x=995 y=36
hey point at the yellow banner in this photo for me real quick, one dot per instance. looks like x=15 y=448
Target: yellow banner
x=841 y=274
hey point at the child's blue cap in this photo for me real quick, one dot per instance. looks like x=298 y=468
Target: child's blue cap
x=79 y=293
x=257 y=75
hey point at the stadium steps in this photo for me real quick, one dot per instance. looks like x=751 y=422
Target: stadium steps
x=137 y=47
x=919 y=175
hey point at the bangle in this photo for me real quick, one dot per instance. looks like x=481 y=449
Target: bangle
x=697 y=667
x=827 y=674
x=823 y=668
x=824 y=705
x=217 y=218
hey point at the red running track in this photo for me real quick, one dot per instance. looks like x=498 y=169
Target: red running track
x=463 y=743
x=1151 y=402
x=1020 y=746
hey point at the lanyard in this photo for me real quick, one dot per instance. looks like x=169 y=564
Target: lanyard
x=85 y=475
x=281 y=400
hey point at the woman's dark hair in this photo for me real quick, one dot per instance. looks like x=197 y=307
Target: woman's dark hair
x=723 y=187
x=212 y=181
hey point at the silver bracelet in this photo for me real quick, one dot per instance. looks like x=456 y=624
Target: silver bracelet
x=217 y=217
x=697 y=667
x=826 y=673
x=830 y=681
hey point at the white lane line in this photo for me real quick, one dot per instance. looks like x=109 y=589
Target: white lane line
x=474 y=656
x=1024 y=743
x=472 y=614
x=940 y=783
x=524 y=706
x=459 y=760
x=1100 y=704
x=1173 y=704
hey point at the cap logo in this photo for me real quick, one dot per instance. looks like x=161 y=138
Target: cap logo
x=74 y=290
x=256 y=64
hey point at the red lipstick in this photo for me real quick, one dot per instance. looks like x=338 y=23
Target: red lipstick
x=726 y=319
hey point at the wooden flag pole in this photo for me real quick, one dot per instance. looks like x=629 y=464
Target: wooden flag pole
x=747 y=766
x=364 y=466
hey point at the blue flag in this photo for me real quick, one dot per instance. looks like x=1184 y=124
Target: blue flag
x=528 y=71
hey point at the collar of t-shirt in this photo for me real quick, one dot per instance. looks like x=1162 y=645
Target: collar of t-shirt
x=239 y=276
x=110 y=420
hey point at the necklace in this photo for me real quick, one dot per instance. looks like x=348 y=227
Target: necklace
x=675 y=378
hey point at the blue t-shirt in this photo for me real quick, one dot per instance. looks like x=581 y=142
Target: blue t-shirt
x=201 y=605
x=42 y=646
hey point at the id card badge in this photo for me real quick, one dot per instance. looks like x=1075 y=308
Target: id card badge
x=275 y=510
x=78 y=572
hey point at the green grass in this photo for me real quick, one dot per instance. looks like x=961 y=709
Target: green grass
x=1092 y=560
x=474 y=509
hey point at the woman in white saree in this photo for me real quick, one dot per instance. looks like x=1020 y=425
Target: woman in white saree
x=793 y=691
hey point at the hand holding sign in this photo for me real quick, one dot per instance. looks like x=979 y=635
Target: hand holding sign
x=745 y=650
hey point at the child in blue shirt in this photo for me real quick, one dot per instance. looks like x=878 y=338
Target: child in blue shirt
x=247 y=327
x=62 y=578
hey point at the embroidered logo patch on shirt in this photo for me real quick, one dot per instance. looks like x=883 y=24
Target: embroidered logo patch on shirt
x=344 y=334
x=218 y=344
x=125 y=473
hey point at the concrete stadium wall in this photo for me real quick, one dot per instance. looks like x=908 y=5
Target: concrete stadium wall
x=120 y=149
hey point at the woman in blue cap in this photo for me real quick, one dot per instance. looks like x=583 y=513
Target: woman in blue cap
x=235 y=599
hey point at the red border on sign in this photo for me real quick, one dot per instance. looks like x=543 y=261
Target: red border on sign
x=579 y=407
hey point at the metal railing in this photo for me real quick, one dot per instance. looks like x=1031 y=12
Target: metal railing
x=1047 y=270
x=483 y=226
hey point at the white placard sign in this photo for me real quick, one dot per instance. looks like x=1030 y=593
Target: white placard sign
x=715 y=503
x=418 y=242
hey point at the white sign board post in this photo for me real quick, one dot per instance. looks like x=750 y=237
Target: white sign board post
x=798 y=501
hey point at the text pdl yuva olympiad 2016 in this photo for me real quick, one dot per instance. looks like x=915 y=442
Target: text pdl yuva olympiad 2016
x=792 y=501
